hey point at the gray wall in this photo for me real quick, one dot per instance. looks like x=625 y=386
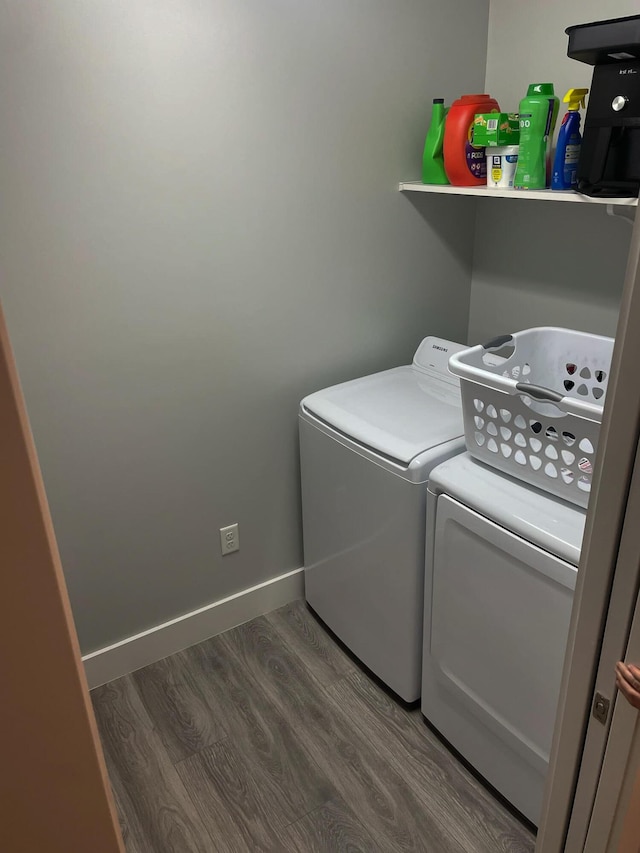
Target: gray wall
x=200 y=224
x=544 y=263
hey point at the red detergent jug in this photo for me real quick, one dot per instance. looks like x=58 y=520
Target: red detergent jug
x=464 y=163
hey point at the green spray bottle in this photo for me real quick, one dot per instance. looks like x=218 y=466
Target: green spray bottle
x=538 y=114
x=432 y=158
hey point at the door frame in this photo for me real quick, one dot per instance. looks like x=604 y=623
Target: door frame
x=54 y=786
x=609 y=751
x=578 y=745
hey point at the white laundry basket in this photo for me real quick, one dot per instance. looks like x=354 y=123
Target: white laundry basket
x=532 y=405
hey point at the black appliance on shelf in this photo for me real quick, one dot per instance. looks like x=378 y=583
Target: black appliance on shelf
x=609 y=162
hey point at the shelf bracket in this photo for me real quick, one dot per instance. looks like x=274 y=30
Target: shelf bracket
x=623 y=211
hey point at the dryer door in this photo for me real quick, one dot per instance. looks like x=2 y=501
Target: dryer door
x=500 y=619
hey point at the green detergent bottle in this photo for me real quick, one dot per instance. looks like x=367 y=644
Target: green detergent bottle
x=538 y=114
x=432 y=159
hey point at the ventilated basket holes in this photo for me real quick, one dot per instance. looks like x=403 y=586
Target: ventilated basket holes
x=505 y=414
x=535 y=444
x=505 y=433
x=506 y=450
x=520 y=440
x=569 y=384
x=585 y=373
x=551 y=433
x=526 y=400
x=491 y=412
x=520 y=422
x=568 y=438
x=479 y=405
x=584 y=483
x=480 y=439
x=551 y=471
x=586 y=446
x=515 y=371
x=597 y=393
x=583 y=390
x=478 y=421
x=567 y=475
x=535 y=463
x=571 y=368
x=492 y=446
x=550 y=452
x=520 y=458
x=585 y=465
x=536 y=426
x=526 y=369
x=600 y=375
x=492 y=429
x=568 y=457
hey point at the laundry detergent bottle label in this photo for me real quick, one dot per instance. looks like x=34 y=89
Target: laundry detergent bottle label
x=475 y=157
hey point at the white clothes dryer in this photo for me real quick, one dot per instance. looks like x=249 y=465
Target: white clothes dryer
x=501 y=568
x=366 y=449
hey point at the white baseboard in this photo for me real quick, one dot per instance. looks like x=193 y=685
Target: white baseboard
x=166 y=639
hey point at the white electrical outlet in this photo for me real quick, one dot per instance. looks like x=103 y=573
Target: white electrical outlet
x=229 y=539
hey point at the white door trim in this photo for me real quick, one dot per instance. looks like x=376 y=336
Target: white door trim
x=603 y=771
x=605 y=518
x=621 y=641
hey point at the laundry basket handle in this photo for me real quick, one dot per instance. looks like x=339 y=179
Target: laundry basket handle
x=539 y=392
x=496 y=343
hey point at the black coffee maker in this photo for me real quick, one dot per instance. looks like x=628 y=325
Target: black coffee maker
x=610 y=153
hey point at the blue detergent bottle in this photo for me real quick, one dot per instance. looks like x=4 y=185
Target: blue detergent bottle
x=567 y=155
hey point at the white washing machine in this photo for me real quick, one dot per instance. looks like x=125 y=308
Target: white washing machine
x=501 y=568
x=366 y=450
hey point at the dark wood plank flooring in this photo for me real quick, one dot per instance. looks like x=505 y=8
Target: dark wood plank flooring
x=270 y=738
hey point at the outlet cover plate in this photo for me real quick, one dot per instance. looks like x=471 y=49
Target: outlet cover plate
x=229 y=539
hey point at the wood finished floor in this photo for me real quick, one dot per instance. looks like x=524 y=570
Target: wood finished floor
x=269 y=738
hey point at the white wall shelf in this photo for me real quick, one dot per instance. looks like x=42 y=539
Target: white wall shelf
x=539 y=195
